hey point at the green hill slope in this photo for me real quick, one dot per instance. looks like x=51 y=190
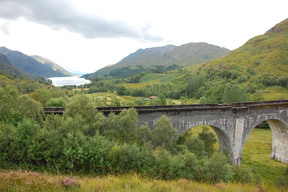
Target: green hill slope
x=264 y=53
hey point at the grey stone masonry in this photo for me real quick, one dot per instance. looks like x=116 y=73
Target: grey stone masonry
x=232 y=123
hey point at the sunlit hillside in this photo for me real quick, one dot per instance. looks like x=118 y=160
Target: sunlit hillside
x=264 y=53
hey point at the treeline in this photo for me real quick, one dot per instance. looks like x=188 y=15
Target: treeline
x=85 y=141
x=208 y=85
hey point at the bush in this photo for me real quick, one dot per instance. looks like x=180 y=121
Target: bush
x=242 y=175
x=163 y=158
x=216 y=169
x=8 y=147
x=56 y=102
x=125 y=158
x=209 y=140
x=164 y=135
x=195 y=145
x=96 y=151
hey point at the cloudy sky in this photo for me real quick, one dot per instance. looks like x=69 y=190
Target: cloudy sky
x=87 y=35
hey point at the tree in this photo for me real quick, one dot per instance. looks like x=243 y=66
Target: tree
x=164 y=134
x=234 y=93
x=30 y=108
x=145 y=134
x=9 y=111
x=41 y=95
x=128 y=129
x=120 y=90
x=195 y=145
x=80 y=105
x=194 y=84
x=209 y=140
x=123 y=127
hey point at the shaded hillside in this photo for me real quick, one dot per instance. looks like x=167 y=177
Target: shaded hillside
x=184 y=55
x=263 y=53
x=28 y=65
x=52 y=65
x=6 y=68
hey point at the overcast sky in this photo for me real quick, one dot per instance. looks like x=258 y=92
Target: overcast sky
x=87 y=35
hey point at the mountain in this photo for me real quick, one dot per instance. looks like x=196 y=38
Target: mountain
x=267 y=53
x=184 y=55
x=6 y=68
x=28 y=65
x=52 y=65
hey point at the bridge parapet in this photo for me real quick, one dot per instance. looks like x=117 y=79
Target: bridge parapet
x=233 y=106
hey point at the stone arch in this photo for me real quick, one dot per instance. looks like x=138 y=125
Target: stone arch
x=279 y=127
x=223 y=138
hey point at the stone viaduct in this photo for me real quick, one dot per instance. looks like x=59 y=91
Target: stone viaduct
x=232 y=123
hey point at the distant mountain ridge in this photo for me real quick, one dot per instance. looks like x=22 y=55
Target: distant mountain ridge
x=184 y=55
x=52 y=65
x=28 y=65
x=6 y=68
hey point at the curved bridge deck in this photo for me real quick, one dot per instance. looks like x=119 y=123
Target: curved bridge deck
x=234 y=106
x=232 y=123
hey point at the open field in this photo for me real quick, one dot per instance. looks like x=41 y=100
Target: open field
x=256 y=155
x=275 y=93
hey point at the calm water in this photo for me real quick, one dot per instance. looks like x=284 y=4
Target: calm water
x=61 y=81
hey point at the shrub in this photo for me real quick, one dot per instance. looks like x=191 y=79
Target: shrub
x=164 y=134
x=96 y=151
x=56 y=102
x=195 y=145
x=209 y=140
x=125 y=158
x=242 y=174
x=163 y=158
x=8 y=147
x=216 y=169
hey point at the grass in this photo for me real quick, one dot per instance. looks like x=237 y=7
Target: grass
x=256 y=155
x=274 y=93
x=18 y=181
x=106 y=99
x=158 y=77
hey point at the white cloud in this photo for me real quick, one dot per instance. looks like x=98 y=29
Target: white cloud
x=90 y=34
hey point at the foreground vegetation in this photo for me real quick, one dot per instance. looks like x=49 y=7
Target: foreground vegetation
x=15 y=181
x=85 y=141
x=265 y=169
